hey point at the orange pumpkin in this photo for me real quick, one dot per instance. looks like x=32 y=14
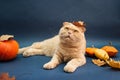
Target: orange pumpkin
x=111 y=50
x=8 y=49
x=90 y=51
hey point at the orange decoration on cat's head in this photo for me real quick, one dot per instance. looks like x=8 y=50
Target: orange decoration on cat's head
x=80 y=24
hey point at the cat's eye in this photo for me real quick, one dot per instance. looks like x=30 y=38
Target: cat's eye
x=75 y=30
x=66 y=28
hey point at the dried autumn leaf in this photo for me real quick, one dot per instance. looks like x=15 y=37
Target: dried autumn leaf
x=5 y=76
x=98 y=62
x=114 y=64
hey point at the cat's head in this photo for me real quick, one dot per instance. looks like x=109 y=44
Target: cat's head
x=72 y=32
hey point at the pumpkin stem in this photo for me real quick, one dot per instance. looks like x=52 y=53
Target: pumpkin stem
x=93 y=46
x=110 y=43
x=6 y=37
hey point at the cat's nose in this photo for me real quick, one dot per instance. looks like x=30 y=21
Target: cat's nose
x=69 y=32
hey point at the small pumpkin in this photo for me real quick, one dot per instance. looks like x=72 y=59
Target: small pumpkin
x=90 y=51
x=111 y=50
x=8 y=48
x=101 y=54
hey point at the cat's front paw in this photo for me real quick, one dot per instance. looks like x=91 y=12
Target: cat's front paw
x=28 y=53
x=49 y=65
x=69 y=68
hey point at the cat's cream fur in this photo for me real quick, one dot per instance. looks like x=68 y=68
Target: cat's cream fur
x=68 y=46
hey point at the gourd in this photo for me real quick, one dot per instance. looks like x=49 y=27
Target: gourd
x=101 y=54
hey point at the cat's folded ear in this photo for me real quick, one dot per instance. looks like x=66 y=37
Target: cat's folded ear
x=66 y=23
x=80 y=24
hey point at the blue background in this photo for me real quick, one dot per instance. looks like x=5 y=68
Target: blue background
x=35 y=20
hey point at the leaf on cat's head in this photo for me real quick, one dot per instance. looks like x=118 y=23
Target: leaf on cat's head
x=79 y=24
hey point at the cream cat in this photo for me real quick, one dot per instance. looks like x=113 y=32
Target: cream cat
x=68 y=46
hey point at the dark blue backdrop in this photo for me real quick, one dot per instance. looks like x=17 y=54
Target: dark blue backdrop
x=35 y=20
x=34 y=17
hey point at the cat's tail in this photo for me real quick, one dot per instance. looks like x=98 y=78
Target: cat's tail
x=21 y=50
